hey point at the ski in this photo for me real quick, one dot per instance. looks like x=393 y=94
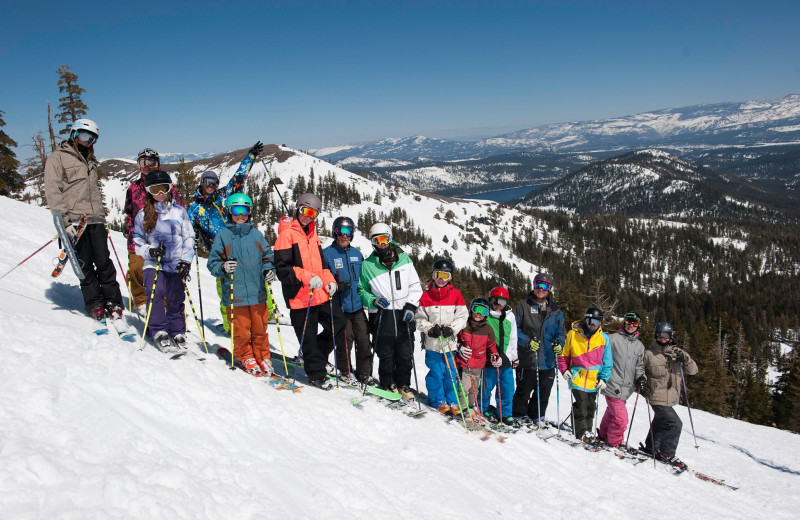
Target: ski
x=123 y=330
x=68 y=250
x=276 y=381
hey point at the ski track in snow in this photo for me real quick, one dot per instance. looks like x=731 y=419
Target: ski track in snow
x=90 y=427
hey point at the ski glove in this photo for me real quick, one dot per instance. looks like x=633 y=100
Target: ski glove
x=269 y=276
x=345 y=286
x=315 y=283
x=408 y=315
x=447 y=332
x=557 y=348
x=642 y=388
x=601 y=385
x=435 y=331
x=382 y=303
x=182 y=269
x=229 y=266
x=534 y=345
x=465 y=352
x=72 y=231
x=158 y=252
x=567 y=375
x=496 y=360
x=256 y=149
x=680 y=355
x=331 y=288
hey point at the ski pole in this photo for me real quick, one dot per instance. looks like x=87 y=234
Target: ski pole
x=538 y=395
x=121 y=270
x=19 y=264
x=199 y=290
x=596 y=409
x=202 y=336
x=630 y=425
x=453 y=380
x=278 y=326
x=652 y=435
x=499 y=394
x=333 y=340
x=689 y=407
x=558 y=404
x=373 y=346
x=302 y=336
x=150 y=303
x=275 y=185
x=230 y=322
x=414 y=367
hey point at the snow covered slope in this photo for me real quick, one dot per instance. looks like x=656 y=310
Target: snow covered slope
x=90 y=427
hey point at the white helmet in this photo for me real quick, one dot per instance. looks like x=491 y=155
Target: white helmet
x=84 y=124
x=380 y=229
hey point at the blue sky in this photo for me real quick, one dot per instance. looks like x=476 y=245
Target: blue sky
x=202 y=76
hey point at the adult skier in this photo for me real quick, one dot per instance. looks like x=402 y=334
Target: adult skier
x=540 y=338
x=502 y=321
x=390 y=289
x=71 y=187
x=664 y=364
x=208 y=209
x=135 y=198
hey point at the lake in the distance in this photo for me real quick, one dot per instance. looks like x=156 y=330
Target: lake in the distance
x=503 y=195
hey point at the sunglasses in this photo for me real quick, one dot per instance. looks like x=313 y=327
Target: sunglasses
x=593 y=322
x=379 y=240
x=237 y=211
x=148 y=161
x=86 y=137
x=344 y=231
x=159 y=189
x=308 y=212
x=500 y=301
x=442 y=275
x=664 y=335
x=544 y=286
x=480 y=309
x=208 y=182
x=632 y=321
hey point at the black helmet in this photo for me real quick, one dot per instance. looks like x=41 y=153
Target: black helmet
x=157 y=177
x=593 y=313
x=147 y=152
x=443 y=264
x=341 y=222
x=663 y=327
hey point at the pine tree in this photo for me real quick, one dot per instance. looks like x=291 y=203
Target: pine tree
x=712 y=387
x=71 y=105
x=186 y=182
x=786 y=398
x=10 y=180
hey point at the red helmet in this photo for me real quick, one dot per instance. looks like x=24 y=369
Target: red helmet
x=499 y=292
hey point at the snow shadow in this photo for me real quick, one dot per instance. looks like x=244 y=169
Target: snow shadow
x=66 y=297
x=767 y=463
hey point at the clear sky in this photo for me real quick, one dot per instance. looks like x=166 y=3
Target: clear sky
x=201 y=76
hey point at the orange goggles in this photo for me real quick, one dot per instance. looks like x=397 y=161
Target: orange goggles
x=308 y=212
x=380 y=240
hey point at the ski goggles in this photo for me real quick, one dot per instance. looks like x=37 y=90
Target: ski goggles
x=499 y=301
x=148 y=161
x=86 y=137
x=159 y=189
x=543 y=286
x=663 y=335
x=238 y=211
x=480 y=309
x=442 y=275
x=380 y=240
x=344 y=231
x=593 y=322
x=208 y=181
x=308 y=212
x=632 y=321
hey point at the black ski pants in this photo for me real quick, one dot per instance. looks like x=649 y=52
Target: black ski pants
x=317 y=347
x=357 y=332
x=99 y=285
x=665 y=431
x=524 y=403
x=394 y=346
x=583 y=408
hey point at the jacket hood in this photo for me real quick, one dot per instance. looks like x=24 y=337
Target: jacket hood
x=289 y=222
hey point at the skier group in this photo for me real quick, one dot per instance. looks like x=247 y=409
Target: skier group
x=486 y=360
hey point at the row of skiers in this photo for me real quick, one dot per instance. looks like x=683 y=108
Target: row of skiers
x=472 y=351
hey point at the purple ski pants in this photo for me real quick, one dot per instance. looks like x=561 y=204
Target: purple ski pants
x=171 y=319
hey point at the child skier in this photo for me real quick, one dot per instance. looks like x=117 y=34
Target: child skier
x=441 y=314
x=242 y=256
x=586 y=363
x=504 y=325
x=163 y=236
x=474 y=341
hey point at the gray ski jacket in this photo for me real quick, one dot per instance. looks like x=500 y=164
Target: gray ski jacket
x=628 y=353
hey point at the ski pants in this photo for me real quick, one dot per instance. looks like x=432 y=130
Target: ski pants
x=169 y=286
x=524 y=403
x=317 y=347
x=223 y=309
x=505 y=390
x=99 y=285
x=250 y=338
x=470 y=379
x=665 y=431
x=357 y=331
x=440 y=378
x=394 y=346
x=583 y=408
x=615 y=421
x=136 y=279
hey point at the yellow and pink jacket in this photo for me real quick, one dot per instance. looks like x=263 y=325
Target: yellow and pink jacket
x=589 y=358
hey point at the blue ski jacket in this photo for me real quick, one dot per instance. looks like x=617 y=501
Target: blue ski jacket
x=345 y=265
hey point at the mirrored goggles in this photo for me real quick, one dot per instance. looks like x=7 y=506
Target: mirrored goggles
x=442 y=275
x=308 y=212
x=208 y=181
x=499 y=301
x=593 y=322
x=480 y=309
x=345 y=231
x=663 y=335
x=544 y=286
x=632 y=321
x=158 y=189
x=379 y=240
x=237 y=211
x=86 y=137
x=148 y=161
